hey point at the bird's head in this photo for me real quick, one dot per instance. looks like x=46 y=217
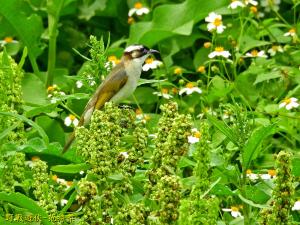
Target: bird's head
x=137 y=54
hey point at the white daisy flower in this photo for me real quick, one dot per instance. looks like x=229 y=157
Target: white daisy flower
x=150 y=63
x=63 y=202
x=289 y=103
x=256 y=54
x=270 y=4
x=251 y=176
x=275 y=48
x=190 y=89
x=163 y=93
x=81 y=172
x=251 y=2
x=296 y=206
x=7 y=40
x=112 y=62
x=234 y=211
x=79 y=84
x=291 y=32
x=235 y=3
x=219 y=51
x=268 y=176
x=138 y=9
x=195 y=137
x=71 y=119
x=215 y=23
x=125 y=154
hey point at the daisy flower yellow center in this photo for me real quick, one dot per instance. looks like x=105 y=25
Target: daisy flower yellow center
x=219 y=49
x=164 y=90
x=138 y=5
x=178 y=71
x=253 y=9
x=197 y=134
x=275 y=48
x=138 y=111
x=248 y=171
x=149 y=60
x=69 y=183
x=114 y=59
x=174 y=90
x=50 y=88
x=201 y=69
x=130 y=20
x=147 y=117
x=72 y=117
x=234 y=209
x=217 y=22
x=287 y=101
x=189 y=85
x=35 y=158
x=54 y=177
x=292 y=31
x=254 y=52
x=272 y=172
x=8 y=39
x=207 y=44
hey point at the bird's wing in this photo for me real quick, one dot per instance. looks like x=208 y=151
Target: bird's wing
x=109 y=87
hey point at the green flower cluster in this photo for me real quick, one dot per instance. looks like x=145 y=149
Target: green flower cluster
x=87 y=196
x=12 y=173
x=282 y=194
x=11 y=97
x=199 y=208
x=100 y=145
x=113 y=161
x=43 y=192
x=132 y=214
x=171 y=143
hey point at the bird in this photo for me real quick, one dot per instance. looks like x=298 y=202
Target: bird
x=118 y=85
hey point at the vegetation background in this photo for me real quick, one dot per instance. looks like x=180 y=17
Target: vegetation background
x=212 y=132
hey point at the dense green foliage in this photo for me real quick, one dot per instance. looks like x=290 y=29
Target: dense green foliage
x=211 y=134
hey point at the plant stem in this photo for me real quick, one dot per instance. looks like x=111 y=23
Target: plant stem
x=54 y=8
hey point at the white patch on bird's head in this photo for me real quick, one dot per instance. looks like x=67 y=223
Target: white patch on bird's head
x=132 y=48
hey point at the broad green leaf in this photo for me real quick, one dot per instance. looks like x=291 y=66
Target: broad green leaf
x=49 y=125
x=33 y=90
x=267 y=76
x=224 y=128
x=252 y=147
x=116 y=177
x=87 y=10
x=30 y=122
x=29 y=29
x=185 y=162
x=249 y=202
x=70 y=168
x=247 y=43
x=172 y=19
x=23 y=201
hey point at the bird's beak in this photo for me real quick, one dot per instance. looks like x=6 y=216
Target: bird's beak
x=153 y=51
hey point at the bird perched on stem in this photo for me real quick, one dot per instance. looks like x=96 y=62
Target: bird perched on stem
x=118 y=85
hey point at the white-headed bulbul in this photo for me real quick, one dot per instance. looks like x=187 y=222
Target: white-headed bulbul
x=118 y=85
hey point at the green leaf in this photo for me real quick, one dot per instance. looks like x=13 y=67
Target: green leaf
x=185 y=162
x=70 y=168
x=172 y=19
x=116 y=177
x=33 y=90
x=247 y=43
x=30 y=122
x=49 y=125
x=224 y=128
x=249 y=202
x=87 y=11
x=23 y=201
x=267 y=76
x=251 y=148
x=29 y=29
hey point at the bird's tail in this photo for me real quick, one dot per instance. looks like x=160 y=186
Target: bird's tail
x=69 y=142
